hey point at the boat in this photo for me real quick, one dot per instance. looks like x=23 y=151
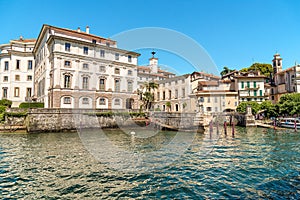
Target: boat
x=289 y=122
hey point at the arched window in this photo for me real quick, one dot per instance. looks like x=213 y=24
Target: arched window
x=117 y=102
x=102 y=101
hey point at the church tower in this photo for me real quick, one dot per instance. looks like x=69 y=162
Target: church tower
x=153 y=62
x=277 y=63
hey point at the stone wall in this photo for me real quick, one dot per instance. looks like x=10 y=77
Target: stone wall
x=55 y=120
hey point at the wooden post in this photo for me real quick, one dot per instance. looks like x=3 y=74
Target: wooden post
x=295 y=125
x=225 y=127
x=232 y=129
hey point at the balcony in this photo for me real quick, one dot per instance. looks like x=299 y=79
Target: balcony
x=251 y=87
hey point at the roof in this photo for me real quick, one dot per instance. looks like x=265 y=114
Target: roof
x=76 y=33
x=206 y=74
x=208 y=83
x=24 y=40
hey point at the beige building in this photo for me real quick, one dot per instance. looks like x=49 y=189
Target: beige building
x=284 y=81
x=17 y=71
x=76 y=69
x=216 y=96
x=152 y=72
x=252 y=86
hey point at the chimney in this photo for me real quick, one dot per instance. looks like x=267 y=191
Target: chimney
x=87 y=30
x=78 y=29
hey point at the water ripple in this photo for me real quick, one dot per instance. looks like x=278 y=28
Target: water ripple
x=255 y=164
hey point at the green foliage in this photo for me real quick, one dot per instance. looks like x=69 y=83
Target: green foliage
x=226 y=70
x=148 y=94
x=265 y=69
x=6 y=103
x=2 y=109
x=31 y=105
x=16 y=114
x=289 y=104
x=243 y=106
x=124 y=114
x=270 y=109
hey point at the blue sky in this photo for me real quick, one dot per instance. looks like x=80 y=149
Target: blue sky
x=235 y=33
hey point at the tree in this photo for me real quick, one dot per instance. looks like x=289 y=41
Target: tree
x=5 y=102
x=168 y=104
x=270 y=109
x=289 y=104
x=243 y=106
x=265 y=69
x=226 y=70
x=148 y=94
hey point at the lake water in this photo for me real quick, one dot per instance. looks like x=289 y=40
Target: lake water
x=255 y=163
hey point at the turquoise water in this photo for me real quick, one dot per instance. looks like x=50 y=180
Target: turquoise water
x=254 y=164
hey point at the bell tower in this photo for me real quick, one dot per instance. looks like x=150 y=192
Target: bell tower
x=153 y=63
x=277 y=63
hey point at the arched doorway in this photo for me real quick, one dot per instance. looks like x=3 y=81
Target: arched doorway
x=129 y=103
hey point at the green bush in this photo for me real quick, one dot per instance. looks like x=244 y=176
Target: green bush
x=5 y=102
x=16 y=114
x=31 y=105
x=2 y=109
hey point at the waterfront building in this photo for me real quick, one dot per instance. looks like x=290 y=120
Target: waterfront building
x=216 y=96
x=152 y=72
x=172 y=94
x=177 y=94
x=284 y=81
x=17 y=70
x=252 y=86
x=76 y=69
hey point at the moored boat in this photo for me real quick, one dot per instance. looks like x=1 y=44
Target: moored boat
x=289 y=122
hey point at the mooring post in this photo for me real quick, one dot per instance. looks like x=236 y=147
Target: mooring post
x=225 y=127
x=274 y=124
x=232 y=129
x=295 y=125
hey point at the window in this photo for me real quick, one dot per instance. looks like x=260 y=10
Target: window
x=17 y=92
x=85 y=100
x=260 y=93
x=254 y=84
x=208 y=109
x=216 y=109
x=67 y=63
x=29 y=78
x=6 y=66
x=17 y=77
x=255 y=93
x=216 y=99
x=183 y=92
x=85 y=66
x=67 y=100
x=5 y=78
x=117 y=71
x=248 y=84
x=28 y=92
x=208 y=99
x=201 y=100
x=170 y=94
x=102 y=53
x=158 y=96
x=164 y=95
x=223 y=103
x=129 y=86
x=117 y=85
x=85 y=83
x=102 y=101
x=242 y=84
x=18 y=64
x=4 y=93
x=176 y=82
x=235 y=103
x=129 y=58
x=67 y=81
x=67 y=46
x=94 y=41
x=176 y=94
x=102 y=69
x=129 y=72
x=117 y=102
x=102 y=84
x=29 y=64
x=117 y=56
x=85 y=50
